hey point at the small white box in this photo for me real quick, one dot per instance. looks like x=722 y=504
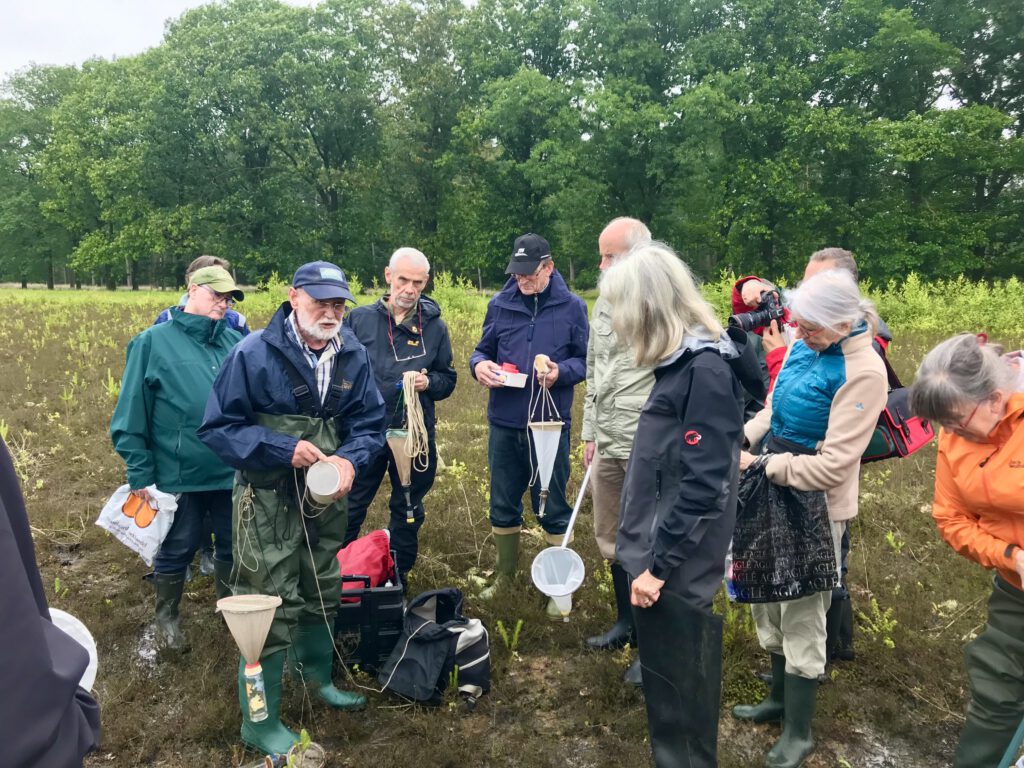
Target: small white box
x=508 y=379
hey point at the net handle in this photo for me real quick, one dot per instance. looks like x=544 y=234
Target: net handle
x=576 y=509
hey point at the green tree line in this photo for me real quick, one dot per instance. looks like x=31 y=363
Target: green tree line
x=747 y=133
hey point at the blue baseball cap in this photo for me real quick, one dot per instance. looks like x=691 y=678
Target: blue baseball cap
x=323 y=281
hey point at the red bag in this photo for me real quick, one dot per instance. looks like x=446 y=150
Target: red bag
x=899 y=432
x=369 y=557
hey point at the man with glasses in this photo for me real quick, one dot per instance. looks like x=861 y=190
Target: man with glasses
x=535 y=313
x=403 y=331
x=298 y=392
x=168 y=374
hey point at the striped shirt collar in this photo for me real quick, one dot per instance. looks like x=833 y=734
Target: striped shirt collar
x=321 y=364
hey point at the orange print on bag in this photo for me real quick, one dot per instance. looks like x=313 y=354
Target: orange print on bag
x=139 y=510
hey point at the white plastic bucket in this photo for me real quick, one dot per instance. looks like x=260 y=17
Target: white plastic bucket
x=78 y=632
x=558 y=572
x=322 y=482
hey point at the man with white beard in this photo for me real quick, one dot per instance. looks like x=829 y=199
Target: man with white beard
x=299 y=392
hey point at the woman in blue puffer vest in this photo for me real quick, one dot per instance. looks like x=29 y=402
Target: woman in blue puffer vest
x=816 y=424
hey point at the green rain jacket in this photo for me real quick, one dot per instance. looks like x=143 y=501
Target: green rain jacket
x=167 y=379
x=616 y=388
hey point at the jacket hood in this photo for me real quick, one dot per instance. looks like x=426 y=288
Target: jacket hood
x=733 y=347
x=723 y=345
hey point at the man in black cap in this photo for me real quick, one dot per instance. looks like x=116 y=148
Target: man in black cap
x=299 y=392
x=535 y=313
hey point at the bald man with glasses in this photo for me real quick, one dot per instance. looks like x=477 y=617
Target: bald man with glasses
x=402 y=332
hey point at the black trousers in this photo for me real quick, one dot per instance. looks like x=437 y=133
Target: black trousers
x=404 y=535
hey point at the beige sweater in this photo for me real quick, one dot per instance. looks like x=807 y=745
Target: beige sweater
x=835 y=468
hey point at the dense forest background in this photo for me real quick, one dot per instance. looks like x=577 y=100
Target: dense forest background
x=746 y=132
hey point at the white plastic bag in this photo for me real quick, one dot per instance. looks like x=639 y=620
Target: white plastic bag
x=145 y=536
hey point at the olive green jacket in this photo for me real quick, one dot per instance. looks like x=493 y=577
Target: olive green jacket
x=616 y=388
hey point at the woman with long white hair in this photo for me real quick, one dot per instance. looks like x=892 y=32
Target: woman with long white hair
x=679 y=494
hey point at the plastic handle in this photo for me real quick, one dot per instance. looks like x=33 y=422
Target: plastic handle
x=576 y=509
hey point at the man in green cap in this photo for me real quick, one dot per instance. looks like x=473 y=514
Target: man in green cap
x=168 y=375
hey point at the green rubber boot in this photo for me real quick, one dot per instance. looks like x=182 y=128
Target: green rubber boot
x=222 y=578
x=313 y=657
x=796 y=741
x=981 y=746
x=771 y=708
x=507 y=565
x=169 y=587
x=268 y=737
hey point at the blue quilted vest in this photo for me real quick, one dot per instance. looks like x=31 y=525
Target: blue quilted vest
x=803 y=394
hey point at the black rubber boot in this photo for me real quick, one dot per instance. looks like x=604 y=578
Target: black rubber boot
x=634 y=675
x=222 y=578
x=771 y=708
x=681 y=653
x=832 y=619
x=621 y=632
x=796 y=741
x=844 y=646
x=982 y=747
x=169 y=587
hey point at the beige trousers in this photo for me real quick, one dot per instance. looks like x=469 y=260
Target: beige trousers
x=796 y=628
x=606 y=481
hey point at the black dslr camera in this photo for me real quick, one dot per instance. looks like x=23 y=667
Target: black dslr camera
x=769 y=308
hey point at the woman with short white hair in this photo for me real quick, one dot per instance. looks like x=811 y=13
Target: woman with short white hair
x=679 y=493
x=973 y=392
x=814 y=428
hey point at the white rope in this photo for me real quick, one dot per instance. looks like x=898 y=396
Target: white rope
x=417 y=444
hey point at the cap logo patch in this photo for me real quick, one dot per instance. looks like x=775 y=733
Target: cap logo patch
x=520 y=252
x=329 y=273
x=692 y=437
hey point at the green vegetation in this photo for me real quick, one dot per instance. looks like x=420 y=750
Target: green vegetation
x=553 y=703
x=747 y=133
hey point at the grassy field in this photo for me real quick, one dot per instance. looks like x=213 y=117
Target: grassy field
x=552 y=703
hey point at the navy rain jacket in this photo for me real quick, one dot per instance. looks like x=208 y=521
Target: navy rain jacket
x=514 y=334
x=371 y=323
x=253 y=380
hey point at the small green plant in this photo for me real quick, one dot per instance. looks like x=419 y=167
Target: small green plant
x=511 y=643
x=879 y=624
x=296 y=755
x=895 y=541
x=113 y=386
x=453 y=678
x=60 y=590
x=4 y=427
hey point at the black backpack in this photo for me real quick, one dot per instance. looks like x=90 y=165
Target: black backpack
x=438 y=646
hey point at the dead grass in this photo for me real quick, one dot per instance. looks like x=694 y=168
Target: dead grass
x=553 y=704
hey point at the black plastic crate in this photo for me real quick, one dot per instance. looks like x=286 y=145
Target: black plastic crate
x=366 y=631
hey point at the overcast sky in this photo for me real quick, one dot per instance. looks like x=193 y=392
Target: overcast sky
x=71 y=31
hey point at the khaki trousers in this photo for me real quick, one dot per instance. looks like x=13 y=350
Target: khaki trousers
x=796 y=628
x=606 y=481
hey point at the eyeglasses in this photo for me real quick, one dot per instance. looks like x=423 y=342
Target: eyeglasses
x=804 y=333
x=420 y=344
x=337 y=307
x=220 y=298
x=962 y=425
x=532 y=275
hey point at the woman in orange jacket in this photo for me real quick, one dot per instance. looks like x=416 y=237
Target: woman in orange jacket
x=971 y=391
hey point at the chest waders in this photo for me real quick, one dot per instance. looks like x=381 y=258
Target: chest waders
x=287 y=547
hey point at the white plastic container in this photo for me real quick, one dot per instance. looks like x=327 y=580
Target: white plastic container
x=322 y=482
x=508 y=379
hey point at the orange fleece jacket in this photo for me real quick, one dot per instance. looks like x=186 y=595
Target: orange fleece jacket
x=979 y=492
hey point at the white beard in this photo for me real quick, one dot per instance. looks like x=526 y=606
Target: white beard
x=321 y=331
